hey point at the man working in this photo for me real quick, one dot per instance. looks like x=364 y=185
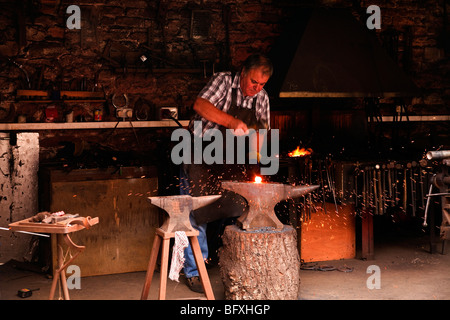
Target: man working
x=229 y=101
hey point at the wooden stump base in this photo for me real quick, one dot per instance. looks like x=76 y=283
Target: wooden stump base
x=260 y=265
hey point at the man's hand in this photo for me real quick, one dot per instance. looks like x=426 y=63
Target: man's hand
x=208 y=111
x=239 y=127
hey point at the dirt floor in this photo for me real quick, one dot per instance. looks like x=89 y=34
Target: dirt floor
x=407 y=270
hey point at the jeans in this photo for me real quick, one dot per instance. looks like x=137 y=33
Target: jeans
x=205 y=181
x=190 y=267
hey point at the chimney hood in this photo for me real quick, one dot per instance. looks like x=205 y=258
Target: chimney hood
x=336 y=56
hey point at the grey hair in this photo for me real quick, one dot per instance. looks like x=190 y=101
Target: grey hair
x=258 y=60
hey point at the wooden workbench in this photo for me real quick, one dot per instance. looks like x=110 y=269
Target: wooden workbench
x=62 y=232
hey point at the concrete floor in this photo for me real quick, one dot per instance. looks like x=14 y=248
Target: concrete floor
x=407 y=271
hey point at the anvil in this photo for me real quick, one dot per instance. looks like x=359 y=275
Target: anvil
x=262 y=198
x=178 y=208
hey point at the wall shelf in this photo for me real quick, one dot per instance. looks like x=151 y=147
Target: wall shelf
x=405 y=118
x=90 y=125
x=63 y=101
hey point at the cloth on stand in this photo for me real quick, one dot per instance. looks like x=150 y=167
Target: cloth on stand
x=177 y=263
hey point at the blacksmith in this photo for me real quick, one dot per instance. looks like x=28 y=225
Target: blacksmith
x=229 y=101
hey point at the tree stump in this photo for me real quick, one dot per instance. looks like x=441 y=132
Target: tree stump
x=260 y=265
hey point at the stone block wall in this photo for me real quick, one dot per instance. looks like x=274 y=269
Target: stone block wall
x=184 y=42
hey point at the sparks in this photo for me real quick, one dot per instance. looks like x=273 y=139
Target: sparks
x=258 y=179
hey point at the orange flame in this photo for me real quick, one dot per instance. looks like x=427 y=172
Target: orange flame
x=300 y=152
x=258 y=179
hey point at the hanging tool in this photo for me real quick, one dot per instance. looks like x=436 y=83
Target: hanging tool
x=380 y=192
x=375 y=191
x=355 y=190
x=28 y=83
x=421 y=188
x=323 y=186
x=309 y=194
x=428 y=203
x=405 y=191
x=413 y=188
x=330 y=184
x=364 y=189
x=396 y=181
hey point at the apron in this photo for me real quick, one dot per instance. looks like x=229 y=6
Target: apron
x=248 y=116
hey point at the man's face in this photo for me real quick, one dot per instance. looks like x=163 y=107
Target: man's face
x=252 y=81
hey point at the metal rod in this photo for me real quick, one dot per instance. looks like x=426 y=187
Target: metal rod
x=426 y=207
x=436 y=155
x=27 y=232
x=438 y=194
x=331 y=186
x=323 y=186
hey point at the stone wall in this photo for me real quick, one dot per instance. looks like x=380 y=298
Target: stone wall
x=184 y=42
x=19 y=165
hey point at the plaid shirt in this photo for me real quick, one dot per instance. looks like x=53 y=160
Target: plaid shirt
x=218 y=91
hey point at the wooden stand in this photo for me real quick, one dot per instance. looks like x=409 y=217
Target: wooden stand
x=62 y=231
x=260 y=265
x=165 y=237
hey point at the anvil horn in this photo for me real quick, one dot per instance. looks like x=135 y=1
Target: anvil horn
x=198 y=202
x=297 y=191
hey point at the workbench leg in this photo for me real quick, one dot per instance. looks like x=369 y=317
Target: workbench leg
x=61 y=275
x=201 y=268
x=55 y=278
x=64 y=284
x=164 y=267
x=151 y=267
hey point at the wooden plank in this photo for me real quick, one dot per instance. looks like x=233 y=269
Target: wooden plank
x=82 y=94
x=168 y=235
x=26 y=222
x=90 y=125
x=25 y=225
x=367 y=246
x=32 y=93
x=122 y=241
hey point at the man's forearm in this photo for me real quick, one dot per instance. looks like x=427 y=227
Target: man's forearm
x=208 y=111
